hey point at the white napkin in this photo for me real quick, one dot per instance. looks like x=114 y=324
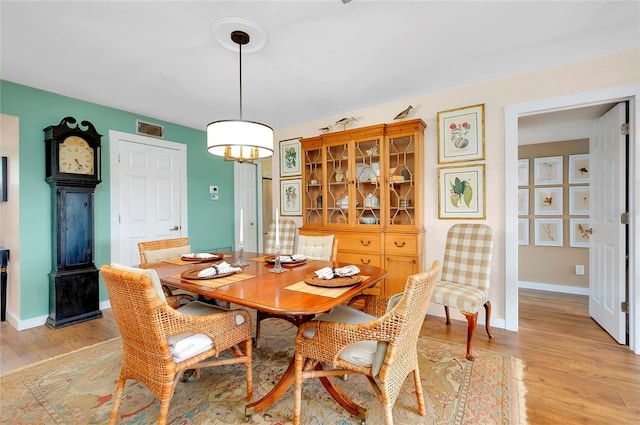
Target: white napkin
x=325 y=273
x=202 y=255
x=217 y=269
x=292 y=258
x=347 y=271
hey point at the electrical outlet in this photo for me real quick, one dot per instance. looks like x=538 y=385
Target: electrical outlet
x=580 y=269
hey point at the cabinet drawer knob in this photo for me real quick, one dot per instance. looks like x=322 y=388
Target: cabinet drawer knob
x=365 y=262
x=399 y=245
x=363 y=243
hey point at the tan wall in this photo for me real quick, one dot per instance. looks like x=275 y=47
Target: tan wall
x=546 y=264
x=582 y=77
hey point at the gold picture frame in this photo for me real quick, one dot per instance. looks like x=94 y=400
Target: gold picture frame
x=461 y=134
x=461 y=192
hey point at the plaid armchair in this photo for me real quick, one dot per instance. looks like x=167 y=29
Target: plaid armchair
x=466 y=273
x=287 y=237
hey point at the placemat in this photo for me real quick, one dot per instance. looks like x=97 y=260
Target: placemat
x=179 y=262
x=303 y=286
x=216 y=283
x=261 y=259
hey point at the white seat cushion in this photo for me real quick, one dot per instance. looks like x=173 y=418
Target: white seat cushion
x=362 y=352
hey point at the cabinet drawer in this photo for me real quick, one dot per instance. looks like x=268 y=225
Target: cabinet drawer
x=360 y=259
x=401 y=244
x=362 y=242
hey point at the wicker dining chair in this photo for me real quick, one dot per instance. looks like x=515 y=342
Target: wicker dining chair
x=160 y=343
x=466 y=275
x=315 y=247
x=166 y=249
x=378 y=342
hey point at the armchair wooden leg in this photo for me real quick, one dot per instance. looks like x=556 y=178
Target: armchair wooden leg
x=487 y=325
x=446 y=312
x=472 y=319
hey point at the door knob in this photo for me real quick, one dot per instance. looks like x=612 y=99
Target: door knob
x=175 y=228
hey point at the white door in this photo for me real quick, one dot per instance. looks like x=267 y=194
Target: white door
x=150 y=201
x=245 y=182
x=607 y=280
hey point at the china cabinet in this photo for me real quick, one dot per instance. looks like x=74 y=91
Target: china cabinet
x=365 y=186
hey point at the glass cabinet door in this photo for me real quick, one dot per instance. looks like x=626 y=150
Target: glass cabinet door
x=337 y=174
x=313 y=181
x=367 y=189
x=402 y=180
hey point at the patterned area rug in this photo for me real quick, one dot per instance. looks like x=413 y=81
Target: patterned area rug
x=77 y=388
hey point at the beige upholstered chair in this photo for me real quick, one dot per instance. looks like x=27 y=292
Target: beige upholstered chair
x=318 y=247
x=287 y=237
x=379 y=342
x=466 y=274
x=160 y=342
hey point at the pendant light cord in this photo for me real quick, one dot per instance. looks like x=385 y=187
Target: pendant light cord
x=240 y=53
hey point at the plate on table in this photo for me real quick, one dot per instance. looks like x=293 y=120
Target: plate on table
x=193 y=258
x=272 y=260
x=193 y=274
x=336 y=282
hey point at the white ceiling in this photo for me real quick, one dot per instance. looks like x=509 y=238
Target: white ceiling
x=322 y=58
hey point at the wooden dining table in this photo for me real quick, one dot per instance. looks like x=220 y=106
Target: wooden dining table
x=281 y=294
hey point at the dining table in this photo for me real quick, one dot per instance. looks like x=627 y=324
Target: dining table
x=285 y=294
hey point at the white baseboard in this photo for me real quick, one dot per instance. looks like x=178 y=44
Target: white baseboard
x=552 y=287
x=41 y=320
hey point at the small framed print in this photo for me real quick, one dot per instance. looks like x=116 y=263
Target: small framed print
x=461 y=192
x=290 y=161
x=548 y=201
x=579 y=233
x=523 y=231
x=547 y=170
x=579 y=200
x=548 y=231
x=579 y=168
x=461 y=134
x=290 y=198
x=523 y=201
x=523 y=172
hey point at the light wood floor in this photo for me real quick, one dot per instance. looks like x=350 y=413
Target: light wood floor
x=575 y=373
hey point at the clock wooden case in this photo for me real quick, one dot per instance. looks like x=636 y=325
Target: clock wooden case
x=73 y=170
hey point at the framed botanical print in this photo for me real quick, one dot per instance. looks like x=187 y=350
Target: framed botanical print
x=579 y=233
x=461 y=192
x=290 y=197
x=523 y=231
x=290 y=160
x=547 y=170
x=579 y=200
x=548 y=231
x=579 y=168
x=523 y=201
x=548 y=201
x=461 y=134
x=523 y=172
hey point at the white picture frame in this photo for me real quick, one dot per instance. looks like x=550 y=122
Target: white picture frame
x=579 y=169
x=547 y=170
x=579 y=233
x=548 y=232
x=523 y=201
x=548 y=201
x=523 y=231
x=579 y=200
x=523 y=172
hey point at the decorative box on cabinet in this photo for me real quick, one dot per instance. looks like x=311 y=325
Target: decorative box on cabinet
x=365 y=186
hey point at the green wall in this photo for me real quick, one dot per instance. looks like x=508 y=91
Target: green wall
x=211 y=224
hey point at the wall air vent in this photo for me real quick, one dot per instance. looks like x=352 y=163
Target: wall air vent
x=148 y=129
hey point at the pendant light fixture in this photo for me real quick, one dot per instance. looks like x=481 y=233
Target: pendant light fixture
x=239 y=140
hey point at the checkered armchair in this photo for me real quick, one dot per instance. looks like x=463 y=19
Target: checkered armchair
x=466 y=273
x=287 y=237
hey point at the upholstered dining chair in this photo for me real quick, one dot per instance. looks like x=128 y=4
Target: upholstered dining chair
x=287 y=237
x=160 y=343
x=378 y=342
x=314 y=247
x=466 y=275
x=323 y=247
x=167 y=249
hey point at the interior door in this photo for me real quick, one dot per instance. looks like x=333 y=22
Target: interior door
x=149 y=194
x=607 y=256
x=245 y=182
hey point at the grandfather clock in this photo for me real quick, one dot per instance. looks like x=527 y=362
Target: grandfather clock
x=73 y=172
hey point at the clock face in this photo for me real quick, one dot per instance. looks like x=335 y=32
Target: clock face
x=76 y=156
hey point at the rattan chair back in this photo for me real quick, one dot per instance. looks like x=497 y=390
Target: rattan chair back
x=160 y=244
